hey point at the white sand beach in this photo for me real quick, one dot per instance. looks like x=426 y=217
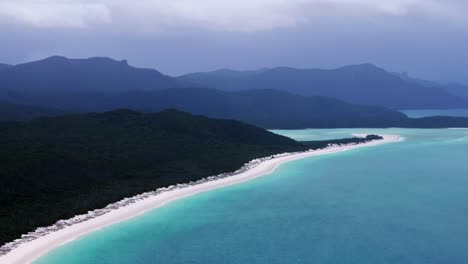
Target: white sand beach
x=29 y=251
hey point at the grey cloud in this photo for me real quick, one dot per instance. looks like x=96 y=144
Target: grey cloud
x=426 y=38
x=228 y=15
x=54 y=14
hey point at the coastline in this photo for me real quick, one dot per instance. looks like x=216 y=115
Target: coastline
x=43 y=240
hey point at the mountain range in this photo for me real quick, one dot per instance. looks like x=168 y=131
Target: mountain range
x=266 y=108
x=360 y=84
x=457 y=89
x=58 y=85
x=60 y=74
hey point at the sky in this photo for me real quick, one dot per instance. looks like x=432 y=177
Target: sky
x=427 y=38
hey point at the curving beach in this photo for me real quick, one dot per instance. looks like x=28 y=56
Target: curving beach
x=31 y=250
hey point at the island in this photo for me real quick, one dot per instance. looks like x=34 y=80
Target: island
x=79 y=167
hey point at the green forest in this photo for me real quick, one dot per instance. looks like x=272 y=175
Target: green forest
x=57 y=167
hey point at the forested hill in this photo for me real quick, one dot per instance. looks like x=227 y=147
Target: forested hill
x=54 y=168
x=266 y=108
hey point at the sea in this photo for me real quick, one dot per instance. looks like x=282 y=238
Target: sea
x=461 y=112
x=404 y=202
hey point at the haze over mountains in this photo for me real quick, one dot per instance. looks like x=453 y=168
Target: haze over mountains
x=266 y=108
x=60 y=74
x=18 y=112
x=3 y=66
x=272 y=98
x=361 y=84
x=456 y=89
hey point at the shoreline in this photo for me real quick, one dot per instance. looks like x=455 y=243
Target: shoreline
x=38 y=243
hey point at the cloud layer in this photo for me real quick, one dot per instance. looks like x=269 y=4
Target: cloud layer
x=54 y=14
x=226 y=15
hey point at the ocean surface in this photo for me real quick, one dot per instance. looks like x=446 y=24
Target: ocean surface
x=425 y=113
x=404 y=202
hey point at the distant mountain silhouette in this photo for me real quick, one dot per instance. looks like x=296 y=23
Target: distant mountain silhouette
x=457 y=89
x=62 y=75
x=266 y=108
x=272 y=109
x=103 y=84
x=11 y=112
x=405 y=76
x=4 y=66
x=221 y=76
x=361 y=84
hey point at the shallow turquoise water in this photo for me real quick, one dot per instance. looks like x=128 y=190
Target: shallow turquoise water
x=424 y=113
x=404 y=202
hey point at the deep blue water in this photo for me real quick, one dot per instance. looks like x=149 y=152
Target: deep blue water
x=424 y=113
x=404 y=202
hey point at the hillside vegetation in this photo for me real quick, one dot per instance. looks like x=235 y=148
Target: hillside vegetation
x=55 y=168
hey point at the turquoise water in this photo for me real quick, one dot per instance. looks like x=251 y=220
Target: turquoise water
x=425 y=113
x=404 y=202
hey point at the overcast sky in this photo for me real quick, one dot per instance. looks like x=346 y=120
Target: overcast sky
x=427 y=38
